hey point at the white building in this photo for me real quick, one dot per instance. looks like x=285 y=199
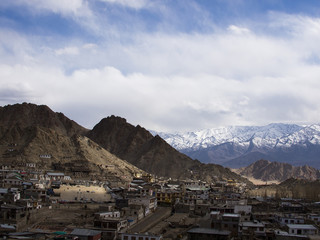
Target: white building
x=290 y=219
x=302 y=229
x=249 y=228
x=54 y=176
x=150 y=203
x=104 y=215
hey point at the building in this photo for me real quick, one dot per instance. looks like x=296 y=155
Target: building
x=292 y=207
x=110 y=226
x=302 y=229
x=54 y=176
x=255 y=228
x=104 y=215
x=290 y=219
x=314 y=217
x=225 y=221
x=208 y=233
x=168 y=196
x=150 y=203
x=86 y=234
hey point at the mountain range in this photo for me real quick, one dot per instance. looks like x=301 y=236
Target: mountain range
x=239 y=146
x=113 y=150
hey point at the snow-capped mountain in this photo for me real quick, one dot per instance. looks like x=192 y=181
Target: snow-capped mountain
x=239 y=146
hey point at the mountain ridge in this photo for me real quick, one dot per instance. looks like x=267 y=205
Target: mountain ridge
x=240 y=146
x=113 y=149
x=32 y=134
x=151 y=153
x=275 y=171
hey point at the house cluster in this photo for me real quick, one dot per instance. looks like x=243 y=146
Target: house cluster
x=252 y=218
x=27 y=195
x=194 y=210
x=231 y=214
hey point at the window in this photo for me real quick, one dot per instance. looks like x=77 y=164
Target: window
x=125 y=238
x=140 y=238
x=133 y=238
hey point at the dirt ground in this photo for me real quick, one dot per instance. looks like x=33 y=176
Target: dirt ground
x=79 y=192
x=63 y=219
x=260 y=182
x=254 y=180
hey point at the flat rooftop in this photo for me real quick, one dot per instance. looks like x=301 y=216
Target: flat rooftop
x=301 y=226
x=210 y=231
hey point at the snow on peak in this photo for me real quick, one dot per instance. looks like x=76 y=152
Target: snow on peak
x=269 y=136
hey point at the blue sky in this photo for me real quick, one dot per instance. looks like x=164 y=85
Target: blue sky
x=166 y=65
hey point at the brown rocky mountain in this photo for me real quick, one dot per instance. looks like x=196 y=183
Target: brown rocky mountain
x=269 y=171
x=14 y=118
x=290 y=188
x=152 y=154
x=35 y=134
x=112 y=150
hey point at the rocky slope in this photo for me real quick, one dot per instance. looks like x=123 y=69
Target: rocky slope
x=270 y=171
x=113 y=150
x=240 y=146
x=14 y=118
x=291 y=188
x=151 y=153
x=35 y=134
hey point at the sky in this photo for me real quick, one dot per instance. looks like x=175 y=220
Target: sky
x=167 y=65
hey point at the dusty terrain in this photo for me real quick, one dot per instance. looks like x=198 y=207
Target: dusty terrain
x=63 y=217
x=277 y=171
x=37 y=136
x=254 y=180
x=261 y=182
x=78 y=192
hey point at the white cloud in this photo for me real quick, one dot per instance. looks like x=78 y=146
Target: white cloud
x=67 y=51
x=238 y=30
x=89 y=46
x=136 y=4
x=71 y=7
x=244 y=100
x=163 y=103
x=173 y=81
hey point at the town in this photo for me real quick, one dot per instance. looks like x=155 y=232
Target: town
x=38 y=204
